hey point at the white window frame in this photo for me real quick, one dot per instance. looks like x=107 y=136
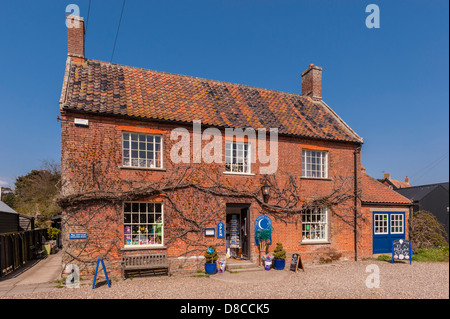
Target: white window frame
x=310 y=160
x=145 y=225
x=230 y=166
x=315 y=225
x=381 y=226
x=139 y=160
x=400 y=223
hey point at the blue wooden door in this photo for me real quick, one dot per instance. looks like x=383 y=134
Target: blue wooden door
x=387 y=227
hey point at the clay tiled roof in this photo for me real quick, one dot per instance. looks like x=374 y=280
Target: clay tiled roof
x=101 y=87
x=375 y=192
x=398 y=184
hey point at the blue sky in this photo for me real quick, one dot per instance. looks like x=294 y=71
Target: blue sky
x=389 y=84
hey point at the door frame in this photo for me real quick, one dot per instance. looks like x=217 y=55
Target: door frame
x=243 y=207
x=382 y=241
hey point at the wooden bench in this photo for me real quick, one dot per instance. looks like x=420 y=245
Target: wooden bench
x=138 y=263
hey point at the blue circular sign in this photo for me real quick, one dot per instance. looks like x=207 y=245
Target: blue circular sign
x=262 y=222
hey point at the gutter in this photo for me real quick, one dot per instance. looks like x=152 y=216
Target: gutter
x=355 y=155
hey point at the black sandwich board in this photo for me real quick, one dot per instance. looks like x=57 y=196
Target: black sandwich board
x=296 y=263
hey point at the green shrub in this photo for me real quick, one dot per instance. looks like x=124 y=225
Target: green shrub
x=53 y=233
x=211 y=255
x=279 y=252
x=426 y=231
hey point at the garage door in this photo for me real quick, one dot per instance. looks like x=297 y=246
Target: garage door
x=387 y=227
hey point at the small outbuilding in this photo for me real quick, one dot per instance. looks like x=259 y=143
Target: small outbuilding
x=9 y=219
x=388 y=212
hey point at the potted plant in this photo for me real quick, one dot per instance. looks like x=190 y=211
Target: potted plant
x=267 y=259
x=279 y=257
x=210 y=260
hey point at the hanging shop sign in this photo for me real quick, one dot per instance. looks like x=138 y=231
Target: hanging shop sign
x=220 y=230
x=262 y=222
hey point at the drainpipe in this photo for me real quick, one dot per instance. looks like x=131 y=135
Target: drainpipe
x=355 y=153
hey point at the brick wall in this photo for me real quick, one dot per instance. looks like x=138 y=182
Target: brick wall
x=91 y=159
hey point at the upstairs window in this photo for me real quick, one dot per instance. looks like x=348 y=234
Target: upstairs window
x=237 y=157
x=314 y=164
x=141 y=150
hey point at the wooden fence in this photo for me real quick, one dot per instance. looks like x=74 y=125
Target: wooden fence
x=16 y=248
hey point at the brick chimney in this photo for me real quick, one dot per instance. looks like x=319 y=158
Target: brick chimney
x=312 y=82
x=407 y=179
x=75 y=37
x=387 y=175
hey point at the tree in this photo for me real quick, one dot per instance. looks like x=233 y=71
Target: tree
x=34 y=193
x=426 y=231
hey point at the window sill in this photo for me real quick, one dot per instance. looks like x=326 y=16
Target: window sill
x=143 y=168
x=316 y=178
x=143 y=247
x=236 y=173
x=318 y=242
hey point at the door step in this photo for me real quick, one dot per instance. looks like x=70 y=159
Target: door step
x=235 y=266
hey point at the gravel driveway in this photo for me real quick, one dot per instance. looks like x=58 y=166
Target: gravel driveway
x=346 y=280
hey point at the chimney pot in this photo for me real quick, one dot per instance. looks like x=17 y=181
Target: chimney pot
x=407 y=179
x=312 y=82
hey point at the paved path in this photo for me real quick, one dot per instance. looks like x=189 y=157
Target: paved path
x=35 y=276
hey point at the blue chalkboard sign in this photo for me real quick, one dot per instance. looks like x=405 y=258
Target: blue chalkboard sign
x=77 y=235
x=220 y=230
x=401 y=249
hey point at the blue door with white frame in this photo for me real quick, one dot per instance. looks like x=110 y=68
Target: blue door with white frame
x=387 y=227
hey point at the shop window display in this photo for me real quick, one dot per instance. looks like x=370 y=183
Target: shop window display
x=143 y=224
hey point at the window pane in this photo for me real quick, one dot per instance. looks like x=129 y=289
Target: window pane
x=314 y=164
x=142 y=226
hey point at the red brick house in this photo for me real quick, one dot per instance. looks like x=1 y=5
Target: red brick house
x=120 y=126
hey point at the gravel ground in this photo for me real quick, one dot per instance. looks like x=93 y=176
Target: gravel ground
x=346 y=280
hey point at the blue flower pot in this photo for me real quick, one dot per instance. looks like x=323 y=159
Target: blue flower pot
x=210 y=269
x=279 y=264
